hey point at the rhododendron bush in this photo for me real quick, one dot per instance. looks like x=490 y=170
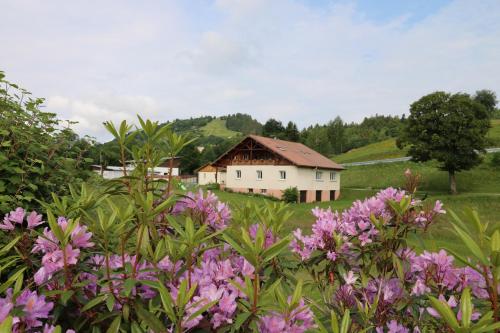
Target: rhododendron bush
x=136 y=255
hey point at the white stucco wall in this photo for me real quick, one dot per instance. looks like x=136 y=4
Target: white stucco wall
x=306 y=180
x=303 y=178
x=205 y=178
x=221 y=178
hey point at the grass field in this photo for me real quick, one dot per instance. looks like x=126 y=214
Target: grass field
x=387 y=148
x=217 y=127
x=494 y=133
x=375 y=151
x=482 y=179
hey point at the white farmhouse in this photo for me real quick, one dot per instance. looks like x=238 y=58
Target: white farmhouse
x=268 y=166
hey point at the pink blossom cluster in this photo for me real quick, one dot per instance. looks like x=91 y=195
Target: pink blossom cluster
x=216 y=276
x=334 y=232
x=17 y=216
x=206 y=208
x=300 y=320
x=54 y=256
x=32 y=308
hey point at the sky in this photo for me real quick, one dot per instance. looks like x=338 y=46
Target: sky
x=304 y=61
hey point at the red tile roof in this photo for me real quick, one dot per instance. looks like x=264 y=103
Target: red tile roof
x=297 y=153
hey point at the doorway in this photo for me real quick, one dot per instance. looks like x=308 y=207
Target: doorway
x=332 y=195
x=303 y=196
x=318 y=195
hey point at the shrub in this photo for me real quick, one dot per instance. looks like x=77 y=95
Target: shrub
x=495 y=159
x=213 y=186
x=39 y=155
x=291 y=195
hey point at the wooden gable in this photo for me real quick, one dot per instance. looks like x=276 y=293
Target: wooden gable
x=250 y=152
x=208 y=168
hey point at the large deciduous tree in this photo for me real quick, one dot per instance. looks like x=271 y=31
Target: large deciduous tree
x=450 y=129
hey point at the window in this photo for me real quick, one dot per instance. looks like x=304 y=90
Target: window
x=282 y=174
x=263 y=191
x=250 y=190
x=333 y=175
x=238 y=174
x=319 y=175
x=259 y=174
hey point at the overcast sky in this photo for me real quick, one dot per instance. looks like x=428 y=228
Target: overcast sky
x=305 y=61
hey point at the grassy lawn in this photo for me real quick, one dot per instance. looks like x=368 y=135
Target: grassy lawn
x=494 y=133
x=217 y=127
x=482 y=179
x=387 y=148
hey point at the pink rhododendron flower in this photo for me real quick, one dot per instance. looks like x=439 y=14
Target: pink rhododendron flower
x=53 y=259
x=32 y=309
x=208 y=208
x=34 y=220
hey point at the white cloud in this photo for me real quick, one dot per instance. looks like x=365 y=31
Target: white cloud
x=90 y=114
x=281 y=59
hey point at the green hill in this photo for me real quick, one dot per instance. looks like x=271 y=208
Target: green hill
x=375 y=151
x=217 y=127
x=387 y=148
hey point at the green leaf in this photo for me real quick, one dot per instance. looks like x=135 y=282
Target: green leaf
x=346 y=322
x=8 y=246
x=66 y=295
x=445 y=311
x=489 y=328
x=150 y=319
x=297 y=294
x=495 y=241
x=240 y=319
x=201 y=310
x=466 y=307
x=11 y=279
x=115 y=325
x=94 y=302
x=110 y=302
x=275 y=249
x=136 y=328
x=128 y=285
x=167 y=302
x=6 y=325
x=334 y=322
x=471 y=245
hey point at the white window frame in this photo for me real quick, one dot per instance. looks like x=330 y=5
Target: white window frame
x=282 y=175
x=259 y=174
x=238 y=174
x=319 y=175
x=333 y=176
